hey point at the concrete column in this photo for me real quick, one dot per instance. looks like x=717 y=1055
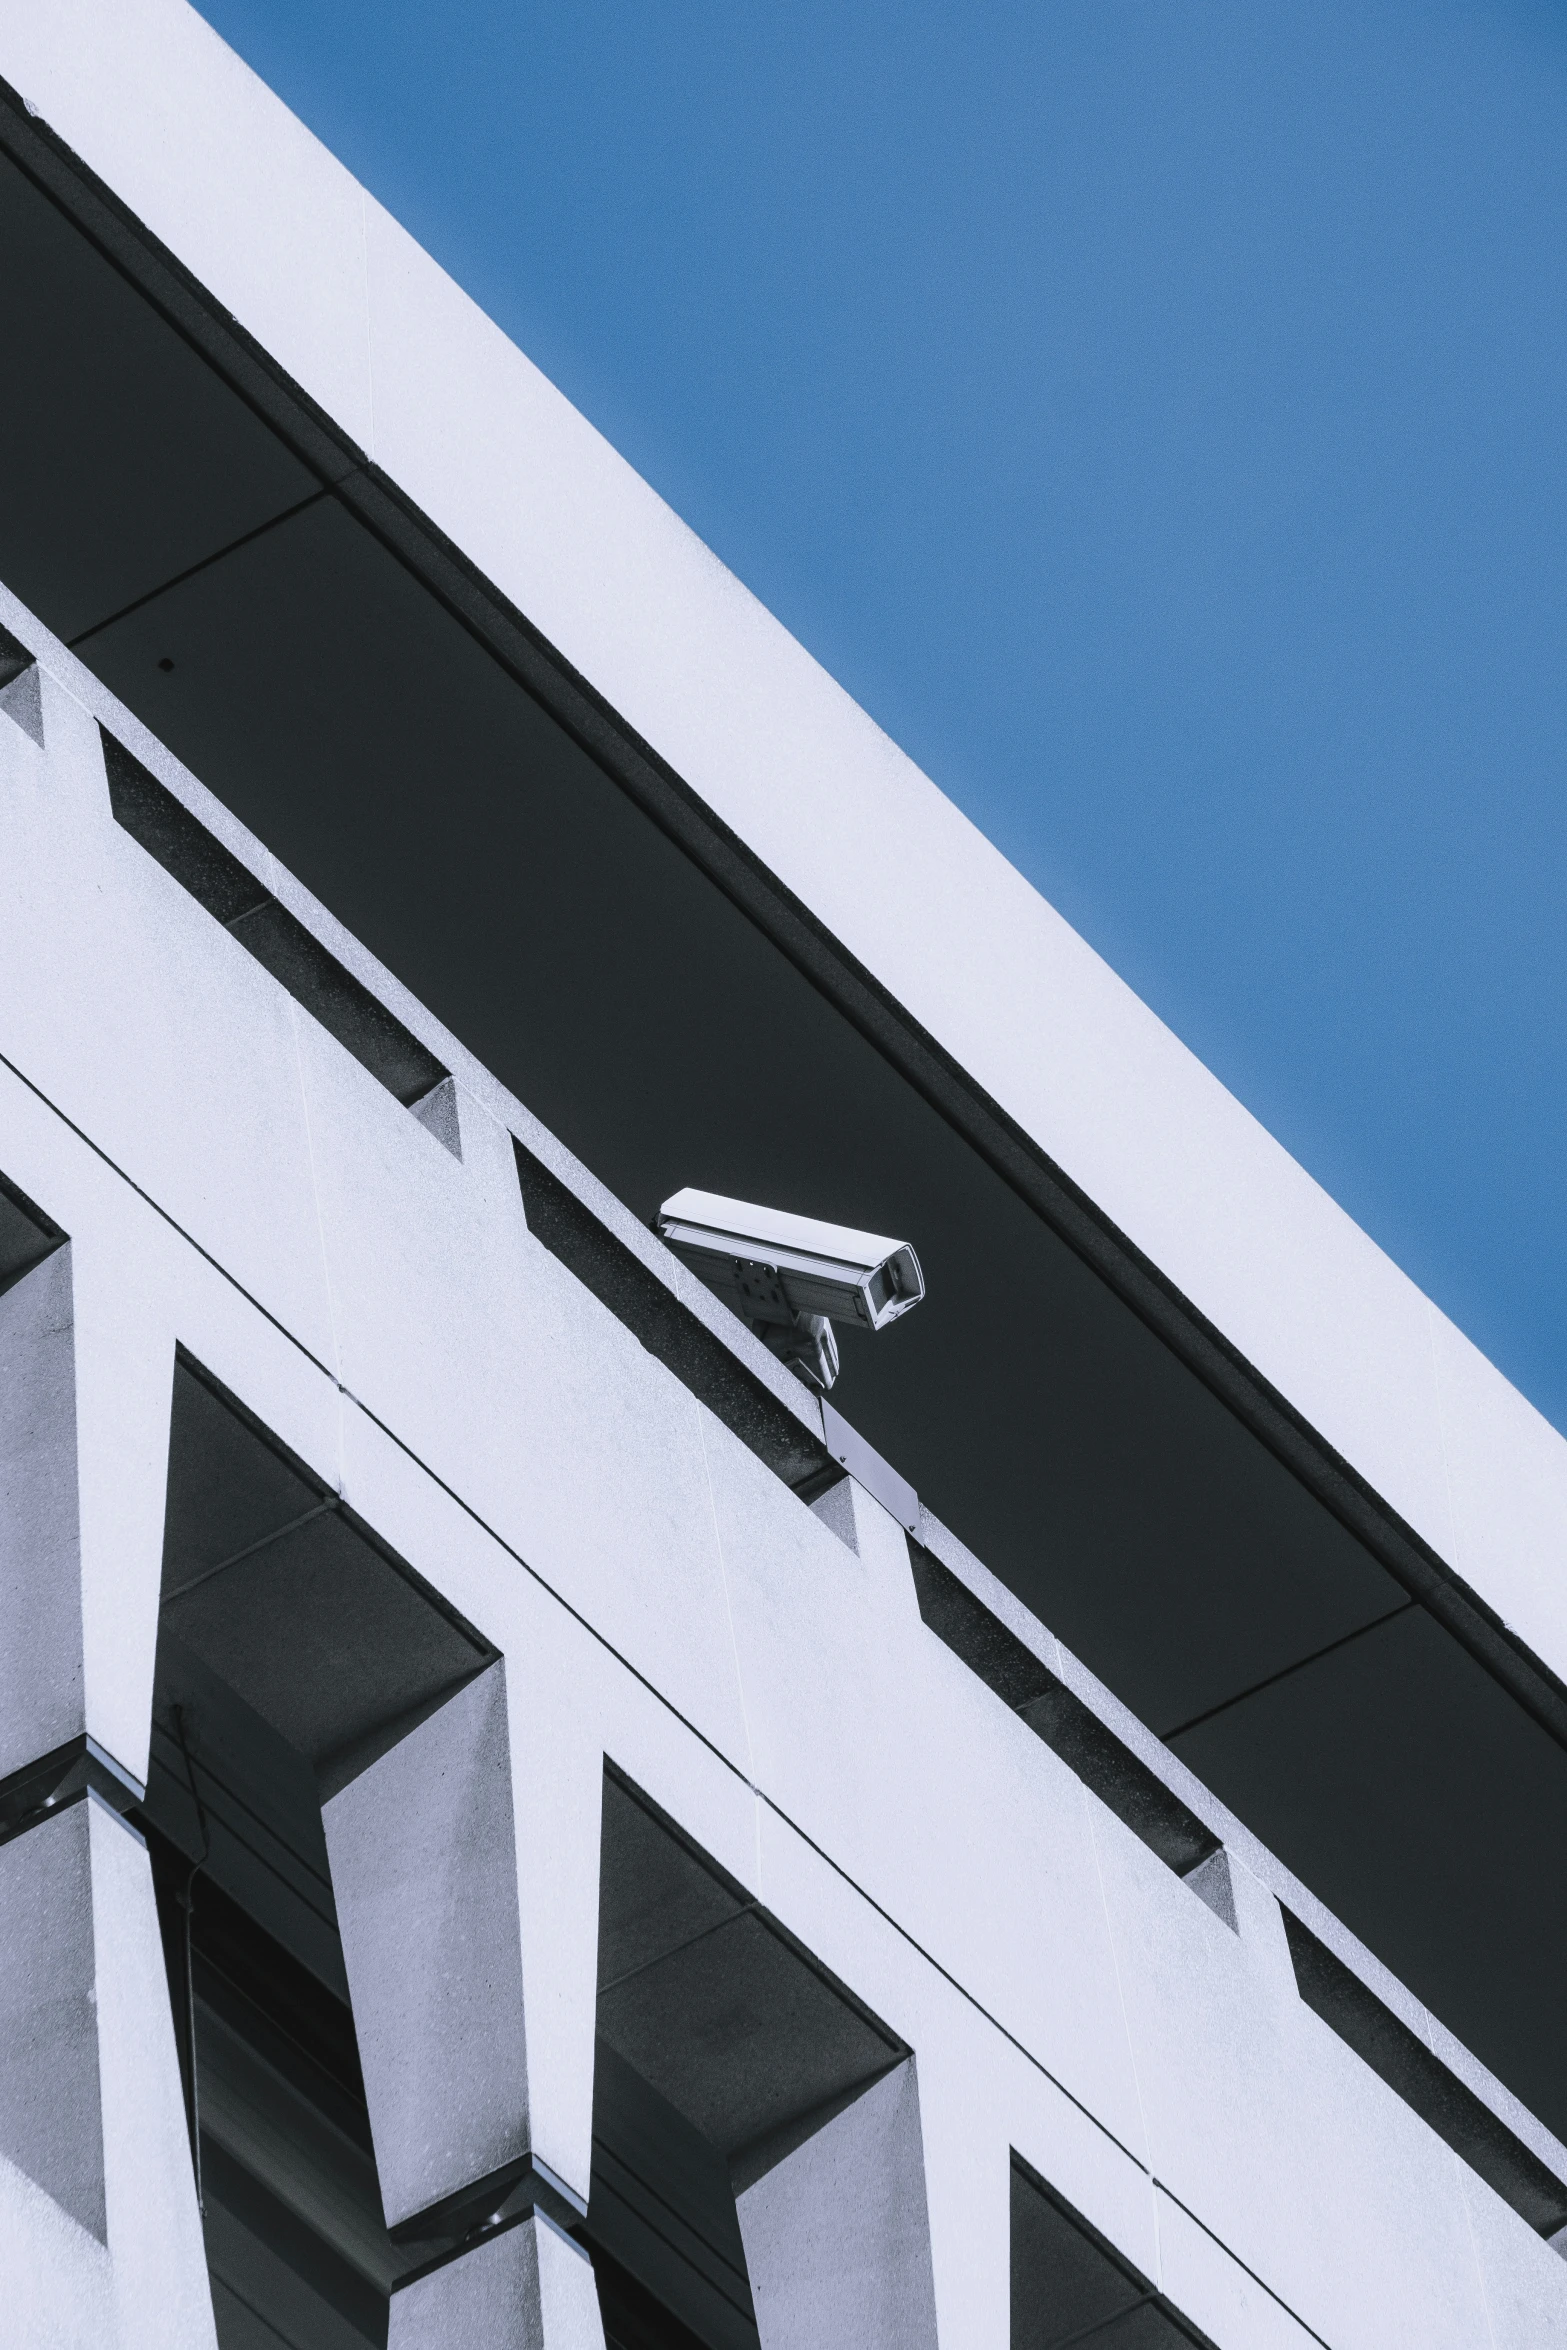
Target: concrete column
x=85 y=1383
x=836 y=2235
x=424 y=1859
x=42 y=1687
x=968 y=2183
x=557 y=1752
x=92 y=2121
x=424 y=1871
x=91 y=2113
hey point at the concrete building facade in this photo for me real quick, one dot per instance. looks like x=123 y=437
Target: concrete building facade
x=521 y=1821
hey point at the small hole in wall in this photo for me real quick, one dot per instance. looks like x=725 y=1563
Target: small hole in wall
x=165 y=664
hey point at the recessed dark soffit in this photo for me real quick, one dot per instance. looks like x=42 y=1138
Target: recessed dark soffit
x=411 y=748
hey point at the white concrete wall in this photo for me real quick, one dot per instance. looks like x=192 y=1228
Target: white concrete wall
x=370 y=327
x=235 y=1182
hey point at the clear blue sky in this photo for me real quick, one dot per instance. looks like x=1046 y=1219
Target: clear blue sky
x=1153 y=412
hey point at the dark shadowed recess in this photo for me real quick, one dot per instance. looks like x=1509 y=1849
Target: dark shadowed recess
x=669 y=1330
x=1070 y=2286
x=720 y=2045
x=293 y=1647
x=14 y=658
x=334 y=672
x=26 y=1234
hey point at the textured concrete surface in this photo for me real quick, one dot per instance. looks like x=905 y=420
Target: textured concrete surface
x=92 y=2122
x=422 y=1851
x=42 y=1696
x=50 y=2104
x=836 y=2238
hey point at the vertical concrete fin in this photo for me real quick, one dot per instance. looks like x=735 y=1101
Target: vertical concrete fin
x=124 y=1370
x=59 y=2283
x=968 y=2192
x=90 y=2103
x=42 y=1681
x=558 y=1758
x=837 y=2235
x=85 y=1382
x=423 y=1855
x=51 y=2111
x=1212 y=1882
x=161 y=2291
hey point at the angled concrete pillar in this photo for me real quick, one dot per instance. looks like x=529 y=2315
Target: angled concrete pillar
x=43 y=1699
x=162 y=2293
x=92 y=2120
x=968 y=2185
x=558 y=1764
x=85 y=1384
x=91 y=2113
x=425 y=1878
x=423 y=1851
x=51 y=2116
x=837 y=2240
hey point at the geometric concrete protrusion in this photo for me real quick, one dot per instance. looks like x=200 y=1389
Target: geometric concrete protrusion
x=1213 y=1885
x=529 y=2287
x=84 y=1403
x=42 y=1682
x=438 y=1112
x=162 y=2295
x=51 y=2109
x=15 y=660
x=424 y=1873
x=836 y=2234
x=90 y=2103
x=22 y=700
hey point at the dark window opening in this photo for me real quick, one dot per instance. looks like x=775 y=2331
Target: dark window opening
x=292 y=2210
x=717 y=2038
x=291 y=1646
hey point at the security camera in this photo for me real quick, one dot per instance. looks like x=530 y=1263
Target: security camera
x=791 y=1277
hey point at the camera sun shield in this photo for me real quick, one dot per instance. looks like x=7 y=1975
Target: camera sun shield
x=776 y=1269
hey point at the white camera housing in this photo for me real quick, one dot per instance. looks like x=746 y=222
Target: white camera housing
x=791 y=1277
